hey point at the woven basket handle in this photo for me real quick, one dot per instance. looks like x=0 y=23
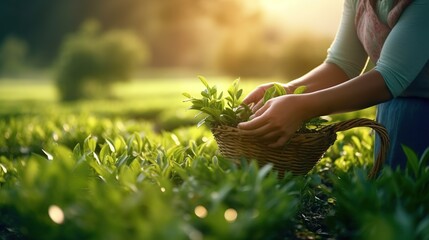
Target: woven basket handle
x=381 y=131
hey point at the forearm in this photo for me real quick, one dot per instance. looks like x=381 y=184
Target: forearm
x=361 y=92
x=324 y=76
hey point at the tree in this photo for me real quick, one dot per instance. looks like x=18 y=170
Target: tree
x=90 y=61
x=13 y=53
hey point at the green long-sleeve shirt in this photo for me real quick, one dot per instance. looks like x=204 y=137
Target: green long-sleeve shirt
x=404 y=58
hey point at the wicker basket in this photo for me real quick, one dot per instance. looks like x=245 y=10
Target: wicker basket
x=302 y=151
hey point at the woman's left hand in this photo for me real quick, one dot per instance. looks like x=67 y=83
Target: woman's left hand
x=277 y=120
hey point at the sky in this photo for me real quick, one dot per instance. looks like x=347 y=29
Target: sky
x=314 y=16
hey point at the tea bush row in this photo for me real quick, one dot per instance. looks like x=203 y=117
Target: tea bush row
x=69 y=177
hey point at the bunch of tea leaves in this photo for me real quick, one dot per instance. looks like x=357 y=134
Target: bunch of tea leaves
x=230 y=110
x=278 y=90
x=219 y=109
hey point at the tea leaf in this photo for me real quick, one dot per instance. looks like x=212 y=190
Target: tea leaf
x=424 y=159
x=187 y=95
x=202 y=122
x=104 y=152
x=205 y=93
x=300 y=89
x=111 y=146
x=280 y=90
x=412 y=159
x=204 y=81
x=274 y=91
x=269 y=94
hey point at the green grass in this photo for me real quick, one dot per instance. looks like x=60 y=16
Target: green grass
x=137 y=95
x=156 y=99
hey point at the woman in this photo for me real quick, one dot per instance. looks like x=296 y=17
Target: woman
x=395 y=36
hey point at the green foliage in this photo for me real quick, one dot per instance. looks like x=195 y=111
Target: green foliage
x=116 y=178
x=89 y=62
x=352 y=150
x=278 y=90
x=13 y=54
x=416 y=167
x=394 y=206
x=220 y=110
x=264 y=207
x=139 y=185
x=275 y=91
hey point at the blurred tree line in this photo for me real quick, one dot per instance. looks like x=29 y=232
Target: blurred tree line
x=226 y=36
x=90 y=61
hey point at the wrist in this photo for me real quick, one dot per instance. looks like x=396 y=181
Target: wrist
x=310 y=107
x=289 y=87
x=303 y=106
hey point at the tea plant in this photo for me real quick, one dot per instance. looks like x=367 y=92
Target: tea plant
x=69 y=176
x=278 y=90
x=137 y=185
x=384 y=208
x=220 y=110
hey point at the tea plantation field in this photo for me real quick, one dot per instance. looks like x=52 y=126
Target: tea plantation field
x=137 y=167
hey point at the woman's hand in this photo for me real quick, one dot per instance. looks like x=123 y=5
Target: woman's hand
x=255 y=98
x=277 y=120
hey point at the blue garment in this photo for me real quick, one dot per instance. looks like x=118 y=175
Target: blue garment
x=407 y=122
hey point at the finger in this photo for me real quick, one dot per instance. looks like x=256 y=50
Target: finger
x=257 y=94
x=261 y=110
x=257 y=106
x=260 y=131
x=255 y=123
x=253 y=97
x=280 y=142
x=271 y=137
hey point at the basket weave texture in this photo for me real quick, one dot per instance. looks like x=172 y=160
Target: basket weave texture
x=302 y=151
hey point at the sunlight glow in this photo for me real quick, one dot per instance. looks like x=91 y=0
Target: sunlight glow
x=48 y=155
x=310 y=16
x=200 y=211
x=230 y=215
x=3 y=168
x=56 y=214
